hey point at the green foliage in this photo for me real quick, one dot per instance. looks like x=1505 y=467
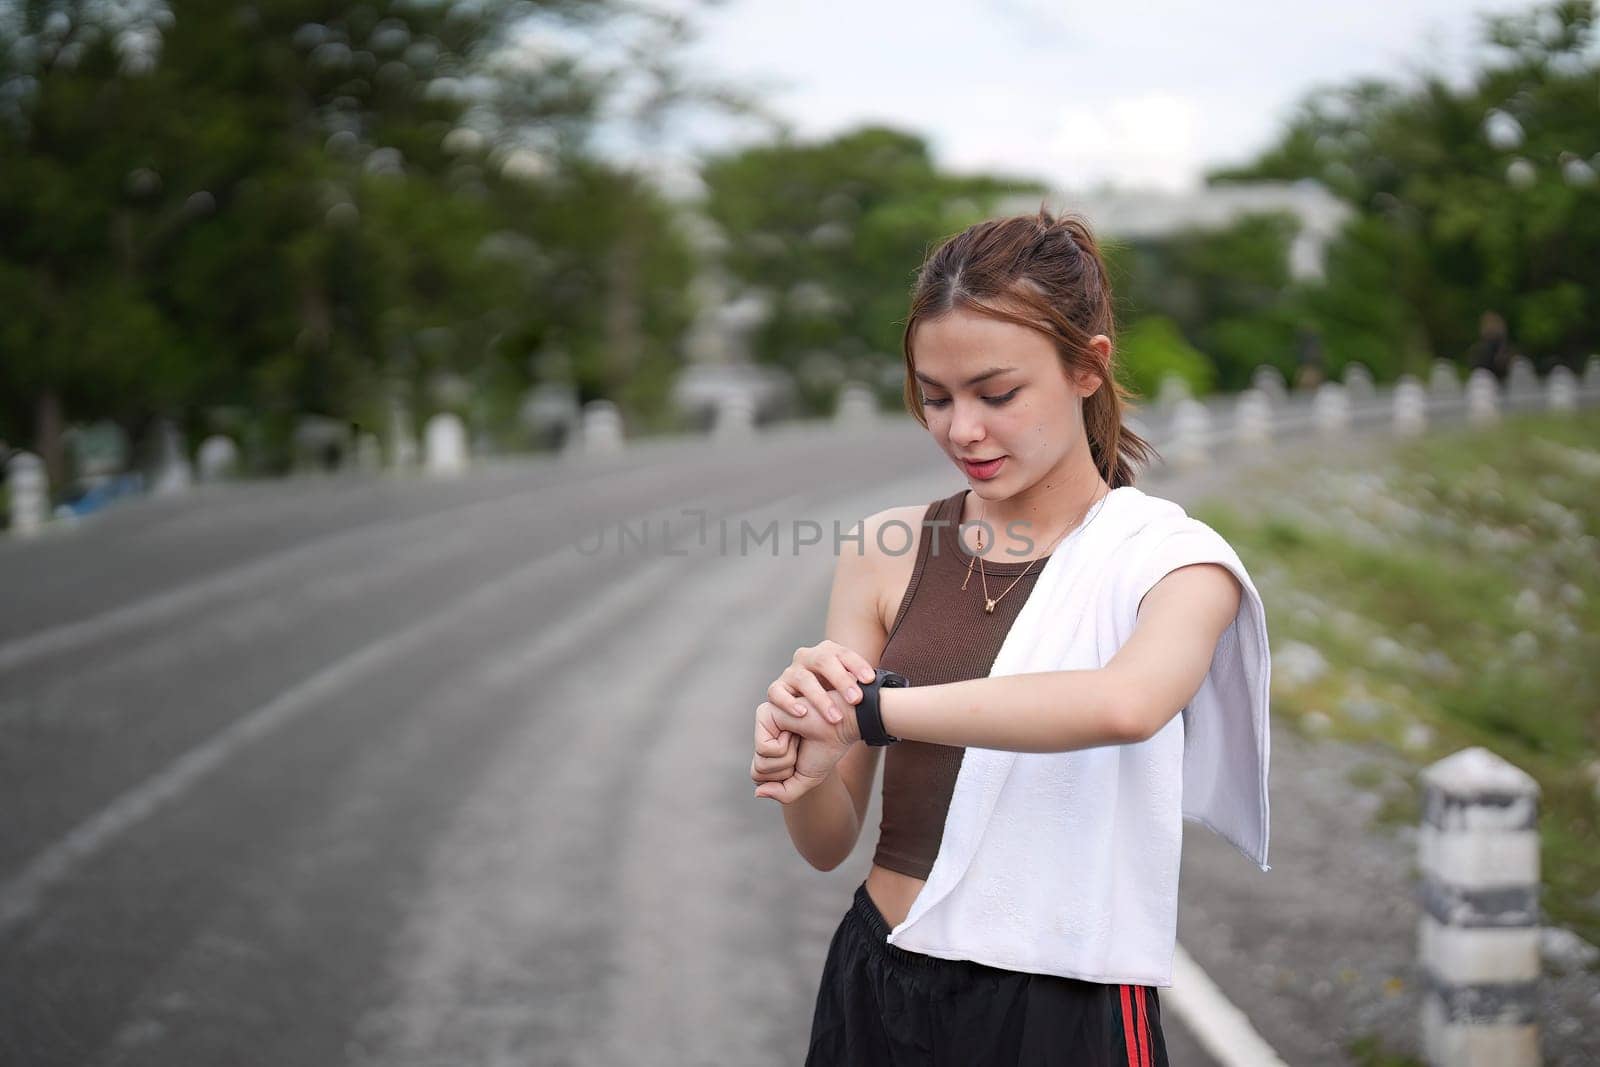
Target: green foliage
x=1361 y=317
x=1154 y=348
x=833 y=233
x=1468 y=198
x=287 y=207
x=1228 y=291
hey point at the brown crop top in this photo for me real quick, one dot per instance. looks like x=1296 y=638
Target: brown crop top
x=940 y=634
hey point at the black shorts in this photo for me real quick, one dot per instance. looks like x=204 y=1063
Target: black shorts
x=880 y=1005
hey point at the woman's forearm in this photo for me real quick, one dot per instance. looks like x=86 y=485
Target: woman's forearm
x=823 y=823
x=1045 y=711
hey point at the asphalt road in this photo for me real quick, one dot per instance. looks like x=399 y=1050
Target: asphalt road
x=398 y=771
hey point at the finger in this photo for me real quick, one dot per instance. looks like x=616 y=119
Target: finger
x=786 y=693
x=811 y=725
x=806 y=726
x=851 y=664
x=786 y=792
x=786 y=758
x=841 y=678
x=771 y=764
x=812 y=729
x=774 y=744
x=768 y=729
x=858 y=666
x=841 y=706
x=814 y=695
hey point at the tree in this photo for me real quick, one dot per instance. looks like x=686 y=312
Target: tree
x=832 y=233
x=1468 y=199
x=285 y=206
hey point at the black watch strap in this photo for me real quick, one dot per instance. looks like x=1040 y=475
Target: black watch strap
x=869 y=716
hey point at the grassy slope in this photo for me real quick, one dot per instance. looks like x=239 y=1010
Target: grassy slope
x=1452 y=585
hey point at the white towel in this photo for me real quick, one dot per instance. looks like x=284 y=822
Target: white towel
x=1066 y=863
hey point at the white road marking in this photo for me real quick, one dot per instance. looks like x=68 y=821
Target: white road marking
x=1222 y=1029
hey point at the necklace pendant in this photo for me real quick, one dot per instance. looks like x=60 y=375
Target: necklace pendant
x=988 y=607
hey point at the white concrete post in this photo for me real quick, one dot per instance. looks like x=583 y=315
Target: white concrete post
x=1330 y=409
x=402 y=442
x=444 y=444
x=30 y=493
x=602 y=427
x=1591 y=374
x=1172 y=390
x=1443 y=381
x=369 y=452
x=1191 y=433
x=1483 y=397
x=1269 y=379
x=1358 y=383
x=1410 y=407
x=733 y=419
x=1252 y=418
x=174 y=473
x=1561 y=390
x=1478 y=937
x=857 y=405
x=217 y=459
x=1522 y=381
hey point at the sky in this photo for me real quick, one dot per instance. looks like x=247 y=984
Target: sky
x=1143 y=93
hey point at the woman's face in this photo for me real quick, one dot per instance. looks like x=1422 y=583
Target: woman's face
x=1023 y=411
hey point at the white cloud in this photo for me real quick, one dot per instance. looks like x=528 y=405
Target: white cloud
x=1150 y=140
x=1152 y=92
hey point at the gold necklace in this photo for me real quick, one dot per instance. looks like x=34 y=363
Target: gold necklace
x=988 y=605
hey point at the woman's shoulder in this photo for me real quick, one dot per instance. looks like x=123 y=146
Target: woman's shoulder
x=1149 y=518
x=897 y=531
x=891 y=543
x=1163 y=538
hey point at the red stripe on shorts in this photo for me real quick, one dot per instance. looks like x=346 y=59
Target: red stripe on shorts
x=1144 y=1029
x=1128 y=1028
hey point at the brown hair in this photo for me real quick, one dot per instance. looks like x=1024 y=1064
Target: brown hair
x=1052 y=269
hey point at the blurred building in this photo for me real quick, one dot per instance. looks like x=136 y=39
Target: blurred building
x=1139 y=215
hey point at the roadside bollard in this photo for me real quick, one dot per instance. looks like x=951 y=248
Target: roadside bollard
x=218 y=459
x=1478 y=935
x=1358 y=384
x=600 y=431
x=1561 y=390
x=30 y=493
x=1410 y=407
x=1483 y=398
x=444 y=444
x=857 y=406
x=1252 y=418
x=1330 y=409
x=1191 y=434
x=735 y=417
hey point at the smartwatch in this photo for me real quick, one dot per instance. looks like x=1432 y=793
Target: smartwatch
x=869 y=717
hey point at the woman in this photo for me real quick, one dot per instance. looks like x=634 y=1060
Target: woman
x=1040 y=890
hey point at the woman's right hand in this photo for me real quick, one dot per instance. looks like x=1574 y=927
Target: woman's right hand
x=816 y=749
x=814 y=671
x=776 y=753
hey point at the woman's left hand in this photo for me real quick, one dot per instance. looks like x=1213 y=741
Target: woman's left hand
x=826 y=676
